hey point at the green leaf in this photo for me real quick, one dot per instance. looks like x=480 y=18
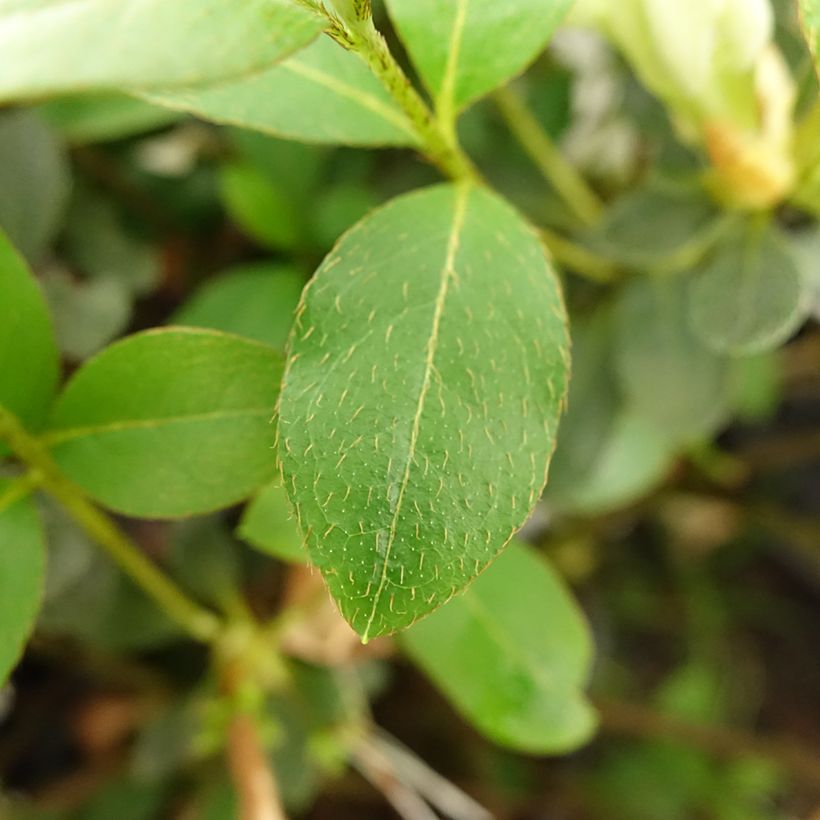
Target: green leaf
x=749 y=296
x=667 y=374
x=323 y=94
x=170 y=423
x=34 y=182
x=257 y=301
x=427 y=371
x=810 y=22
x=268 y=524
x=54 y=46
x=22 y=571
x=511 y=655
x=28 y=353
x=463 y=49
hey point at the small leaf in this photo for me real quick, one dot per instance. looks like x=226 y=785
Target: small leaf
x=28 y=353
x=170 y=423
x=268 y=524
x=465 y=48
x=667 y=374
x=428 y=368
x=54 y=46
x=257 y=301
x=22 y=571
x=749 y=296
x=323 y=94
x=810 y=22
x=512 y=654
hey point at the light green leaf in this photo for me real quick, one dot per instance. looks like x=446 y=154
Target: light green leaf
x=34 y=182
x=427 y=371
x=22 y=570
x=28 y=353
x=749 y=297
x=170 y=423
x=54 y=46
x=512 y=654
x=810 y=22
x=268 y=524
x=88 y=118
x=257 y=301
x=667 y=374
x=323 y=94
x=465 y=48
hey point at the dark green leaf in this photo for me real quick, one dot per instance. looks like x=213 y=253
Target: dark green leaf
x=512 y=654
x=170 y=423
x=428 y=368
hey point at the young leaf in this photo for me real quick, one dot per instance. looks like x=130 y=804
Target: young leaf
x=53 y=46
x=511 y=654
x=427 y=371
x=749 y=296
x=463 y=49
x=268 y=525
x=257 y=301
x=28 y=352
x=22 y=569
x=170 y=423
x=322 y=94
x=669 y=377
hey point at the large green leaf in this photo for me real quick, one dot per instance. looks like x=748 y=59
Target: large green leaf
x=28 y=353
x=52 y=46
x=322 y=94
x=749 y=297
x=810 y=21
x=170 y=423
x=465 y=48
x=511 y=654
x=427 y=371
x=22 y=570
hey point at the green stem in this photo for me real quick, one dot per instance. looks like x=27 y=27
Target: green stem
x=199 y=622
x=579 y=259
x=543 y=152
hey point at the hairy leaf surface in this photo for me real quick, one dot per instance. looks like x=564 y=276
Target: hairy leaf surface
x=427 y=371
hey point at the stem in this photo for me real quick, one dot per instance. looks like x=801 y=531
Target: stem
x=578 y=259
x=199 y=622
x=540 y=148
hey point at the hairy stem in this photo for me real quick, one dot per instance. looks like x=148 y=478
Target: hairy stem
x=544 y=153
x=197 y=621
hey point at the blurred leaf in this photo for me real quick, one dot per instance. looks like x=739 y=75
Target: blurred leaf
x=322 y=94
x=261 y=209
x=511 y=654
x=257 y=301
x=87 y=314
x=810 y=21
x=805 y=248
x=34 y=181
x=757 y=385
x=268 y=525
x=126 y=799
x=60 y=45
x=669 y=377
x=338 y=209
x=28 y=353
x=749 y=296
x=465 y=49
x=415 y=426
x=22 y=571
x=83 y=119
x=170 y=423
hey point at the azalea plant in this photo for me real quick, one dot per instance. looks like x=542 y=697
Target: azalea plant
x=335 y=337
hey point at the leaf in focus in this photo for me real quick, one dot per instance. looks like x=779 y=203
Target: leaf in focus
x=512 y=654
x=257 y=300
x=34 y=182
x=428 y=368
x=749 y=296
x=463 y=49
x=28 y=353
x=22 y=570
x=170 y=423
x=268 y=524
x=322 y=94
x=669 y=377
x=58 y=46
